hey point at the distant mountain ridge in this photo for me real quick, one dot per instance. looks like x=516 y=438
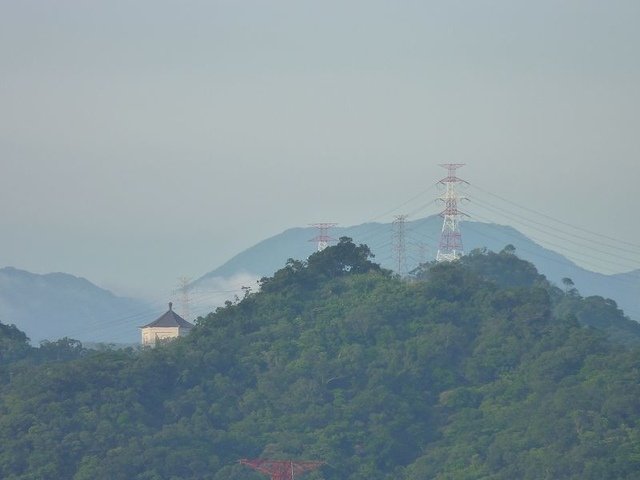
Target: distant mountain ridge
x=267 y=256
x=55 y=305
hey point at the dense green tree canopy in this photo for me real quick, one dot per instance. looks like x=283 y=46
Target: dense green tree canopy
x=474 y=369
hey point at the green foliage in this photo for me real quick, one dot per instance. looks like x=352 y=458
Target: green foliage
x=600 y=313
x=14 y=344
x=478 y=369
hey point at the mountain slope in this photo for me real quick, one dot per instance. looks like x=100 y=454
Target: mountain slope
x=56 y=305
x=467 y=372
x=265 y=257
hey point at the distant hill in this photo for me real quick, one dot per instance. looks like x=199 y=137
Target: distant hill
x=267 y=256
x=55 y=305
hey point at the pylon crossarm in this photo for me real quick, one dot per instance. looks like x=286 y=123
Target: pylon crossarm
x=450 y=246
x=280 y=469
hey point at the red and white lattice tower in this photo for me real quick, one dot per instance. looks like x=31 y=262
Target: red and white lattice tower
x=450 y=247
x=280 y=469
x=323 y=238
x=399 y=245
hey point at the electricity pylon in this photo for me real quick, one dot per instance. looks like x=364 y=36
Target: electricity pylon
x=185 y=300
x=450 y=247
x=399 y=245
x=323 y=238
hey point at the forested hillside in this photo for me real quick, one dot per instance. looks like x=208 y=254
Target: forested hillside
x=475 y=369
x=267 y=256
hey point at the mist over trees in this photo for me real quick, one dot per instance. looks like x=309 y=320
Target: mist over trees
x=474 y=369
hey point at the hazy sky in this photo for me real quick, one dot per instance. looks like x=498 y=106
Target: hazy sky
x=144 y=140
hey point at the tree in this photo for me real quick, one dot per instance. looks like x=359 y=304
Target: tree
x=345 y=257
x=569 y=287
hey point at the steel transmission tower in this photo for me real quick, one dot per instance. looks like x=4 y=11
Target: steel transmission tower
x=450 y=247
x=185 y=300
x=323 y=239
x=280 y=469
x=399 y=246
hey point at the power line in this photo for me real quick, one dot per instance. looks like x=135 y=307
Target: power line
x=565 y=262
x=564 y=247
x=516 y=217
x=584 y=230
x=415 y=197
